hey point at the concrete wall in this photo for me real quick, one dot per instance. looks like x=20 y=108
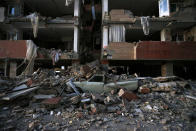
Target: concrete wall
x=190 y=35
x=152 y=50
x=13 y=49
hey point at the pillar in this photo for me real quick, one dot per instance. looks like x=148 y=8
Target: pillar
x=5 y=67
x=13 y=67
x=76 y=39
x=105 y=29
x=167 y=69
x=76 y=27
x=104 y=8
x=166 y=35
x=105 y=36
x=77 y=8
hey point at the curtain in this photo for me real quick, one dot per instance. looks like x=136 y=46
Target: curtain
x=117 y=33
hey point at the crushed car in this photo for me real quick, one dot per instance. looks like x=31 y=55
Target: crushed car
x=99 y=83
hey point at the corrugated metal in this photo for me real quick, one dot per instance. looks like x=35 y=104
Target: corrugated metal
x=13 y=49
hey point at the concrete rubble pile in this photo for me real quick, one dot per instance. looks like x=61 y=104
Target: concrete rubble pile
x=49 y=100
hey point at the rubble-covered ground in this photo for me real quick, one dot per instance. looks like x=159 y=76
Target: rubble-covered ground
x=162 y=103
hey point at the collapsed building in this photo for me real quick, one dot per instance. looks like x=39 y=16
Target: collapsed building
x=156 y=35
x=90 y=64
x=148 y=32
x=27 y=22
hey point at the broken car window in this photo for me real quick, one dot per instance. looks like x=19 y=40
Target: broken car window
x=97 y=79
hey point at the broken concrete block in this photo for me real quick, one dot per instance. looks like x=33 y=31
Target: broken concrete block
x=111 y=100
x=113 y=109
x=79 y=114
x=52 y=102
x=167 y=86
x=93 y=109
x=108 y=100
x=144 y=90
x=98 y=98
x=51 y=113
x=97 y=108
x=59 y=113
x=148 y=107
x=127 y=95
x=121 y=92
x=165 y=79
x=31 y=125
x=75 y=99
x=113 y=92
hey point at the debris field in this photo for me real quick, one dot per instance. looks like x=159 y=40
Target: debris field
x=49 y=100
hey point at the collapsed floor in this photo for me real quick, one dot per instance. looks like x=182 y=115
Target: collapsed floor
x=49 y=100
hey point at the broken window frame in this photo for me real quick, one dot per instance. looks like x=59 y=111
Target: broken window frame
x=17 y=10
x=164 y=12
x=12 y=36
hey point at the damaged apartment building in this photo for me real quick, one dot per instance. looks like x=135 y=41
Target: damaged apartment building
x=140 y=36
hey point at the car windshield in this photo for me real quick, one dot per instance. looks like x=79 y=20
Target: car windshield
x=96 y=79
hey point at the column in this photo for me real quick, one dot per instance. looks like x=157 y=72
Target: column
x=77 y=8
x=105 y=32
x=5 y=67
x=76 y=39
x=167 y=69
x=13 y=66
x=166 y=35
x=105 y=37
x=104 y=8
x=76 y=28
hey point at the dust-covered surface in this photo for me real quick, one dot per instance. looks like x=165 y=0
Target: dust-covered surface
x=164 y=103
